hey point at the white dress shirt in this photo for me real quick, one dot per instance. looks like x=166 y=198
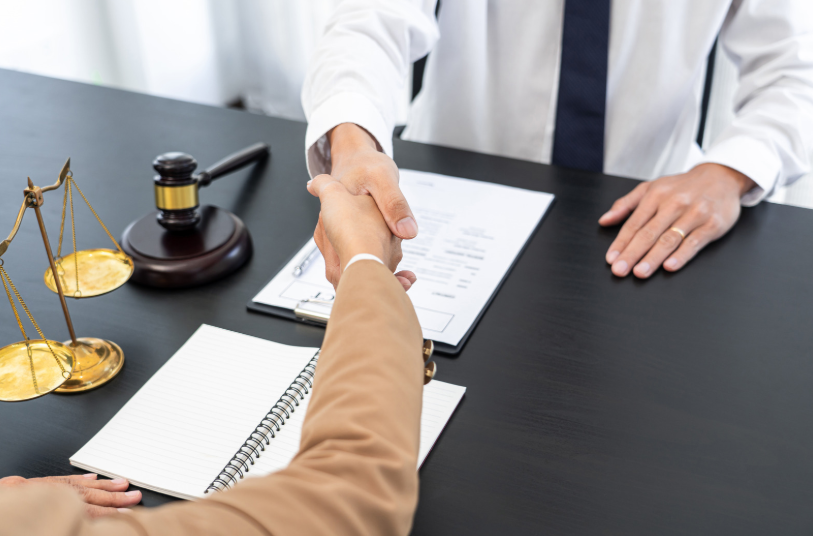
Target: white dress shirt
x=491 y=81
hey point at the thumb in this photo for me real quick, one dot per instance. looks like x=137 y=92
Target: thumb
x=395 y=209
x=316 y=186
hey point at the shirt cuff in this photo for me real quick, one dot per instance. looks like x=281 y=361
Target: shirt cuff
x=751 y=157
x=363 y=257
x=341 y=108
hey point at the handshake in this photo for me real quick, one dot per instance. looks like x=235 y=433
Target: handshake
x=352 y=224
x=363 y=209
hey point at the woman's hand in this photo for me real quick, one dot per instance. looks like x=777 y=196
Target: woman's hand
x=673 y=218
x=101 y=497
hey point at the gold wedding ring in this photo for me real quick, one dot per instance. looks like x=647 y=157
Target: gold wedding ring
x=678 y=231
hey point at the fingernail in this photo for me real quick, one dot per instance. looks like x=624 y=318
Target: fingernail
x=620 y=268
x=118 y=481
x=90 y=476
x=671 y=263
x=407 y=228
x=611 y=256
x=643 y=268
x=124 y=510
x=135 y=493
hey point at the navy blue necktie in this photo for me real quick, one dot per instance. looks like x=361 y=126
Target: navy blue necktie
x=579 y=136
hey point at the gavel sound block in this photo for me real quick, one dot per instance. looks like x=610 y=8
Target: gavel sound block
x=183 y=244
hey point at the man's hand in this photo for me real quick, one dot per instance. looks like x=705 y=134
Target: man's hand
x=102 y=497
x=352 y=224
x=364 y=170
x=703 y=203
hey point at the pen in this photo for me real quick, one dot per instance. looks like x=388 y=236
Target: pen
x=300 y=268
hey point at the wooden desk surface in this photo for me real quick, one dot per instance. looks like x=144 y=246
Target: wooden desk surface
x=595 y=405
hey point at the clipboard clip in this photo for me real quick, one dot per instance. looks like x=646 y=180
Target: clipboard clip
x=319 y=314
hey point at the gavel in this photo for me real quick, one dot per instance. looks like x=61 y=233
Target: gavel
x=183 y=243
x=176 y=189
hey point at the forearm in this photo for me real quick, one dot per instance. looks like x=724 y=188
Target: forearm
x=359 y=69
x=356 y=470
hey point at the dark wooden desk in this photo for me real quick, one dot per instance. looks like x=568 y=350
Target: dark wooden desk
x=595 y=405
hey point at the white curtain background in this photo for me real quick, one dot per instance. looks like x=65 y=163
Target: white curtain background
x=218 y=52
x=208 y=51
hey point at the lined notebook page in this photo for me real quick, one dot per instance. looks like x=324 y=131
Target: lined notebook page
x=181 y=429
x=439 y=402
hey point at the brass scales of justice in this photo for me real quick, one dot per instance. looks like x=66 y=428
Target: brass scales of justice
x=35 y=367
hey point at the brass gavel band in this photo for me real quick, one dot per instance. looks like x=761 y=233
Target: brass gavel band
x=176 y=197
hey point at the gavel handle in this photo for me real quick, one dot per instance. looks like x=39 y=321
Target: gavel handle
x=233 y=163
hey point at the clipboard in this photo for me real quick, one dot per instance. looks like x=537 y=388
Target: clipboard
x=311 y=315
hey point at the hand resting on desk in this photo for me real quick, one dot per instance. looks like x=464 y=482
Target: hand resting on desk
x=704 y=204
x=101 y=497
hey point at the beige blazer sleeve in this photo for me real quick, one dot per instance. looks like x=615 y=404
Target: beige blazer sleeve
x=355 y=473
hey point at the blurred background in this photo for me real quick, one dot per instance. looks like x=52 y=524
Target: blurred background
x=248 y=54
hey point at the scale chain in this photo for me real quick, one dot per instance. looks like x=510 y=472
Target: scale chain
x=6 y=278
x=94 y=213
x=3 y=276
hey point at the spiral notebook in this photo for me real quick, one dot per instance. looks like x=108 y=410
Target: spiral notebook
x=225 y=406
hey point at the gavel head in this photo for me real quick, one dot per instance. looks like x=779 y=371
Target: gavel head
x=176 y=191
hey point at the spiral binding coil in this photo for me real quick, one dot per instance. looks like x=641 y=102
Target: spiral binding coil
x=267 y=429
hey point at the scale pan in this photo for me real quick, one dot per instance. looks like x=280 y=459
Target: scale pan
x=100 y=271
x=16 y=383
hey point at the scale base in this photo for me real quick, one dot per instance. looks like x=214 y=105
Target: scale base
x=97 y=361
x=216 y=247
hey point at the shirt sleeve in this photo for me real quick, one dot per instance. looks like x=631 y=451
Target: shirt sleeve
x=771 y=137
x=359 y=70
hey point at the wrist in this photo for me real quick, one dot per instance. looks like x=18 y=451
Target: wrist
x=743 y=183
x=347 y=141
x=361 y=249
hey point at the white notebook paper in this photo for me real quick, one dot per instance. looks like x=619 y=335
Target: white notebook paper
x=181 y=431
x=471 y=232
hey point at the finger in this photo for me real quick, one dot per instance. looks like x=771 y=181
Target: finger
x=406 y=278
x=408 y=275
x=116 y=499
x=695 y=241
x=322 y=184
x=101 y=511
x=624 y=206
x=68 y=478
x=667 y=243
x=332 y=266
x=117 y=484
x=12 y=481
x=394 y=207
x=640 y=217
x=643 y=241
